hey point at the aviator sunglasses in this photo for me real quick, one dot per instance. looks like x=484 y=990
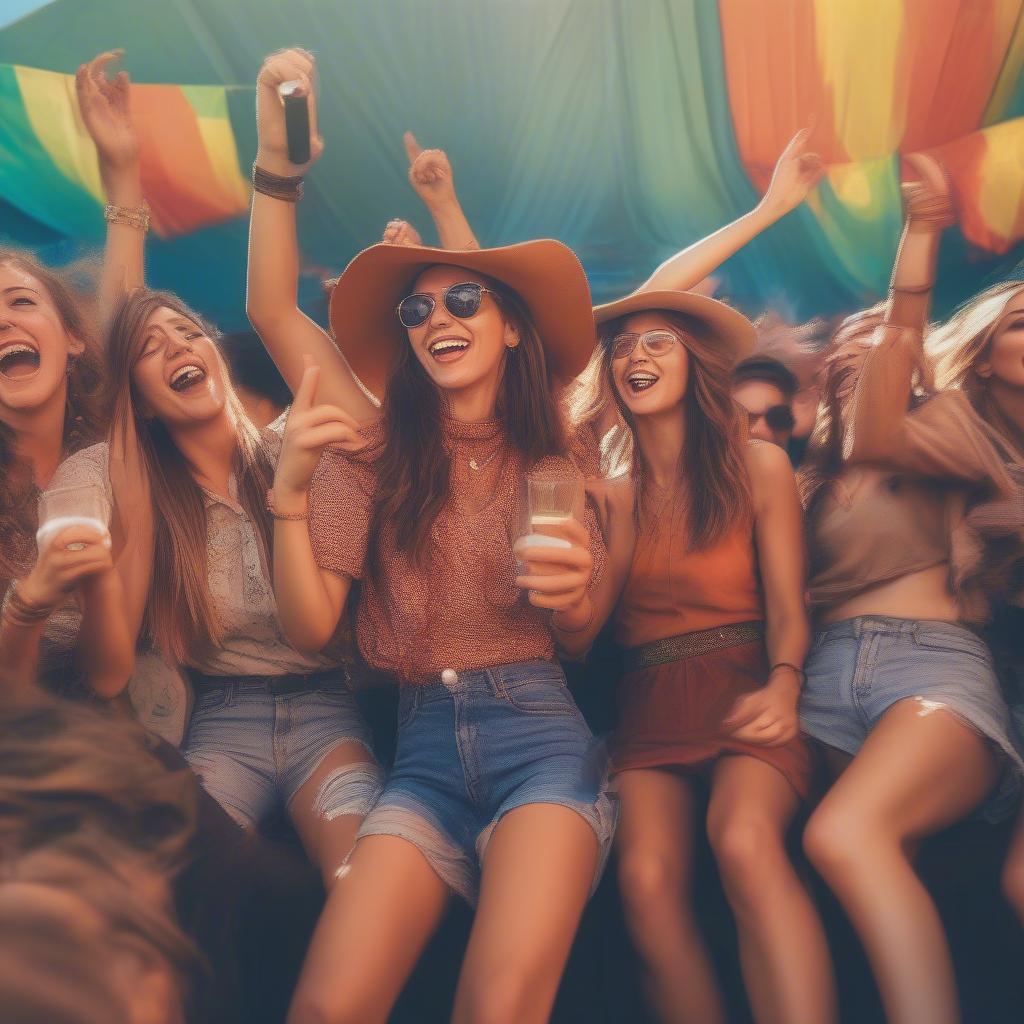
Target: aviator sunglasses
x=776 y=417
x=461 y=300
x=655 y=343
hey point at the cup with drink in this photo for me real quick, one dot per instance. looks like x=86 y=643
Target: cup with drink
x=550 y=503
x=84 y=505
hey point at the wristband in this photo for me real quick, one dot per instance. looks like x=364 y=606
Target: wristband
x=20 y=612
x=288 y=190
x=129 y=216
x=801 y=674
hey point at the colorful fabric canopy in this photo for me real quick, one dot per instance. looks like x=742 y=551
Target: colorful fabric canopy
x=628 y=130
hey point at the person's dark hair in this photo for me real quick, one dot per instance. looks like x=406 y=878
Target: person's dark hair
x=181 y=615
x=85 y=415
x=768 y=370
x=252 y=368
x=414 y=468
x=712 y=463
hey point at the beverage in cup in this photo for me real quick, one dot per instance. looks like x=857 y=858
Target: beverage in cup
x=550 y=503
x=77 y=505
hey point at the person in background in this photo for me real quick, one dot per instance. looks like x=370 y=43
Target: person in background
x=900 y=690
x=765 y=387
x=257 y=381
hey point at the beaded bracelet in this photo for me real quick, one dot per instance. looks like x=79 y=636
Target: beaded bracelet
x=129 y=216
x=288 y=190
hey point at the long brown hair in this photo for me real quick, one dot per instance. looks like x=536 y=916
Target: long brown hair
x=711 y=465
x=966 y=338
x=414 y=469
x=181 y=615
x=84 y=414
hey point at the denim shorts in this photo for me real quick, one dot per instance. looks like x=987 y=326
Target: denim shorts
x=254 y=749
x=858 y=668
x=479 y=744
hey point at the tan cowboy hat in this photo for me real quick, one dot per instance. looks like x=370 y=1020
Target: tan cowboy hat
x=723 y=323
x=545 y=274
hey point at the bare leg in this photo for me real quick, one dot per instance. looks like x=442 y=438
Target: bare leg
x=327 y=841
x=783 y=951
x=377 y=920
x=914 y=776
x=1013 y=869
x=537 y=872
x=655 y=858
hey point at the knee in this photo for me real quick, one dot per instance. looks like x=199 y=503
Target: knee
x=833 y=841
x=322 y=1006
x=745 y=847
x=504 y=999
x=648 y=882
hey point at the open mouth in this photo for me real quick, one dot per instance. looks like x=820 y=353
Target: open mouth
x=445 y=350
x=641 y=381
x=187 y=376
x=18 y=360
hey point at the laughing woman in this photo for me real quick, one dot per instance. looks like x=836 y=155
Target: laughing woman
x=62 y=624
x=497 y=792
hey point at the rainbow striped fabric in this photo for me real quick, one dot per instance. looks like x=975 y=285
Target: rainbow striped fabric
x=49 y=168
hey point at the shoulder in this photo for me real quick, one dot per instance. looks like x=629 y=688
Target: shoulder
x=90 y=465
x=770 y=472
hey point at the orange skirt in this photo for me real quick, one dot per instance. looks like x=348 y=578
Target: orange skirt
x=670 y=716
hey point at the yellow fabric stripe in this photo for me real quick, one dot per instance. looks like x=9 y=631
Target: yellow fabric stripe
x=52 y=111
x=219 y=141
x=858 y=48
x=1000 y=197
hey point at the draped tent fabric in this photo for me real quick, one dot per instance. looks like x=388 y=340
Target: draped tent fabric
x=626 y=128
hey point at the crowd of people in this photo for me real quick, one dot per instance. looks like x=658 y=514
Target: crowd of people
x=815 y=605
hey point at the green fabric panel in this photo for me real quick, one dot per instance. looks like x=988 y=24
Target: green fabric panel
x=603 y=123
x=30 y=181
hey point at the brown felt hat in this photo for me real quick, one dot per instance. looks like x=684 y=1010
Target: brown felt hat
x=723 y=323
x=545 y=274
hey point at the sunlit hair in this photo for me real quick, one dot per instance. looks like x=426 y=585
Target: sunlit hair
x=712 y=466
x=84 y=415
x=181 y=614
x=414 y=469
x=964 y=340
x=851 y=343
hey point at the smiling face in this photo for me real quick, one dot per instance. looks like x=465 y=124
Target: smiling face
x=178 y=373
x=649 y=385
x=458 y=354
x=1004 y=360
x=35 y=346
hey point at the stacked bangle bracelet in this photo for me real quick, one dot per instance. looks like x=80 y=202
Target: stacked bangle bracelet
x=288 y=190
x=19 y=612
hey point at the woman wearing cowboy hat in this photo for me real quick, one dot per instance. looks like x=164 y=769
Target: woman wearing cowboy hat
x=497 y=792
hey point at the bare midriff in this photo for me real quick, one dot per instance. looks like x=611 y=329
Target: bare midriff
x=923 y=594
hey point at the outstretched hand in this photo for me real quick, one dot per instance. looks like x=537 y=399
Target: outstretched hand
x=430 y=173
x=796 y=172
x=105 y=107
x=309 y=430
x=401 y=232
x=929 y=199
x=292 y=65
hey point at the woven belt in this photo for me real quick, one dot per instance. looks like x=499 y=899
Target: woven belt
x=291 y=682
x=691 y=645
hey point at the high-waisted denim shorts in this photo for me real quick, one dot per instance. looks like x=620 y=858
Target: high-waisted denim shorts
x=858 y=668
x=254 y=749
x=473 y=746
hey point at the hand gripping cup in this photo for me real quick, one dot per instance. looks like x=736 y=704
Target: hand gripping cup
x=78 y=505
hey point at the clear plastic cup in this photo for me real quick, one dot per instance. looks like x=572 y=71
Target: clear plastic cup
x=78 y=505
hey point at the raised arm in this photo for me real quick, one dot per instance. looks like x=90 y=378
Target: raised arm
x=106 y=112
x=795 y=174
x=310 y=600
x=430 y=174
x=272 y=293
x=879 y=427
